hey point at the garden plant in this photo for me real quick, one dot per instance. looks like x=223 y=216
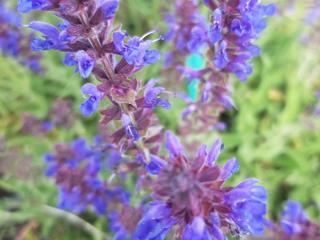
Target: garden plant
x=158 y=120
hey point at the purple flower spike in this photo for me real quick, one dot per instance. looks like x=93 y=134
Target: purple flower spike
x=85 y=63
x=84 y=35
x=76 y=170
x=191 y=192
x=243 y=28
x=228 y=44
x=91 y=105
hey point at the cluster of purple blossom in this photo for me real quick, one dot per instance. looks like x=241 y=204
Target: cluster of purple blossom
x=225 y=46
x=92 y=176
x=189 y=199
x=76 y=169
x=94 y=46
x=189 y=196
x=183 y=197
x=14 y=42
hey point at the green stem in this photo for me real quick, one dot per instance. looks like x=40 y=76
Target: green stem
x=75 y=220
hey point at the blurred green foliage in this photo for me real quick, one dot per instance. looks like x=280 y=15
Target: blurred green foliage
x=271 y=132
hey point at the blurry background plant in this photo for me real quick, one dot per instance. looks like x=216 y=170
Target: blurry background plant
x=14 y=42
x=274 y=132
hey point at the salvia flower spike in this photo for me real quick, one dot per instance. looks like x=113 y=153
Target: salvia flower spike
x=94 y=48
x=191 y=200
x=225 y=44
